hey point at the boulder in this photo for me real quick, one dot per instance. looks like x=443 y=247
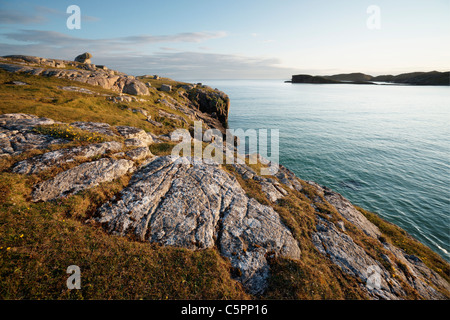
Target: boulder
x=18 y=83
x=84 y=58
x=134 y=136
x=166 y=87
x=139 y=153
x=135 y=87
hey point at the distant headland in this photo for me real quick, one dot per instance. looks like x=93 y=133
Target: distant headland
x=432 y=78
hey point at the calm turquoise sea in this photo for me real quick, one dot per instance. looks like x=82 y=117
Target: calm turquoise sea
x=386 y=148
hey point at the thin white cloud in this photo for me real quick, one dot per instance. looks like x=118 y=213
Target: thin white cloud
x=40 y=15
x=16 y=17
x=188 y=65
x=58 y=39
x=178 y=37
x=127 y=54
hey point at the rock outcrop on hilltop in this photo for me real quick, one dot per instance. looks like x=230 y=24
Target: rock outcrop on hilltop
x=78 y=71
x=83 y=58
x=200 y=204
x=204 y=99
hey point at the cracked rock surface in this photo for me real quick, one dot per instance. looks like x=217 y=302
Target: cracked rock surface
x=16 y=135
x=47 y=160
x=354 y=260
x=199 y=206
x=84 y=176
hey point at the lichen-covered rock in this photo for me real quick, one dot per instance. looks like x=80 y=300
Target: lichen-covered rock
x=418 y=275
x=84 y=176
x=198 y=205
x=16 y=142
x=16 y=135
x=249 y=232
x=348 y=211
x=84 y=72
x=98 y=127
x=272 y=190
x=354 y=260
x=139 y=153
x=172 y=116
x=22 y=121
x=134 y=136
x=351 y=258
x=58 y=157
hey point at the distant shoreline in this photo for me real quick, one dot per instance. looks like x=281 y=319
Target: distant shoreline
x=432 y=78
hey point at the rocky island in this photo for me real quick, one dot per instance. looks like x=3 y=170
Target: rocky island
x=432 y=78
x=87 y=179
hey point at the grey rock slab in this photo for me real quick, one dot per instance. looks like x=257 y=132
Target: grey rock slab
x=155 y=123
x=287 y=177
x=47 y=160
x=251 y=230
x=76 y=89
x=244 y=170
x=98 y=127
x=84 y=176
x=14 y=142
x=139 y=153
x=137 y=137
x=18 y=83
x=198 y=205
x=272 y=193
x=171 y=116
x=22 y=121
x=419 y=276
x=348 y=211
x=350 y=257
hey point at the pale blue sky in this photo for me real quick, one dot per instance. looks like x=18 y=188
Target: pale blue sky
x=235 y=39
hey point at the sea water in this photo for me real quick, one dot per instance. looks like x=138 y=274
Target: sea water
x=384 y=147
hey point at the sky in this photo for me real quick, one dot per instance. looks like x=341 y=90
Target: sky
x=229 y=39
